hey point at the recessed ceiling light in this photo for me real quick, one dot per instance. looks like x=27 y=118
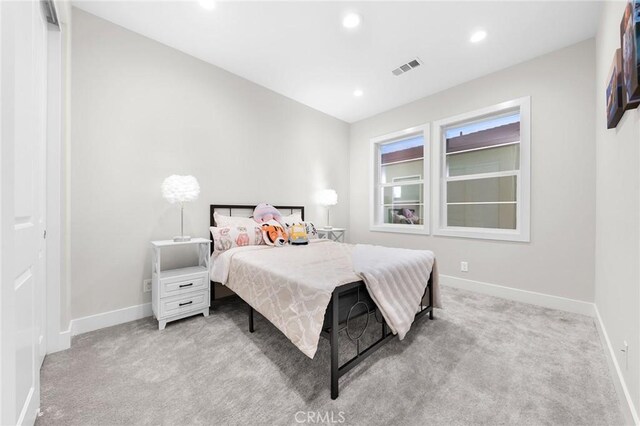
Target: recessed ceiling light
x=208 y=4
x=351 y=20
x=478 y=36
x=357 y=93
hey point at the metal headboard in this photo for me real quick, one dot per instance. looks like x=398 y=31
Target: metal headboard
x=229 y=209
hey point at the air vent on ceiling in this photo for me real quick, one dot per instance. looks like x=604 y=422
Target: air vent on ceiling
x=414 y=63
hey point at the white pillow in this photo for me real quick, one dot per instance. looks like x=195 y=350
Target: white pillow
x=222 y=220
x=292 y=218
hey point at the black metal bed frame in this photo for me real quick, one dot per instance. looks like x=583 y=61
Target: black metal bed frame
x=333 y=325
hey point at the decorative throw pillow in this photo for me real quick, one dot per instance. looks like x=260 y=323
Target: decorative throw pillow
x=298 y=234
x=222 y=220
x=274 y=235
x=227 y=237
x=312 y=233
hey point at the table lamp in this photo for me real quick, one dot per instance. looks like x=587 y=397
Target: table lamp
x=328 y=198
x=180 y=189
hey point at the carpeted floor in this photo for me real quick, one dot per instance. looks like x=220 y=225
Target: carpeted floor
x=483 y=360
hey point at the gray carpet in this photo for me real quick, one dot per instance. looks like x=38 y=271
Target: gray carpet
x=483 y=360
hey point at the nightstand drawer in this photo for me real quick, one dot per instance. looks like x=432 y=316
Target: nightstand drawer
x=186 y=284
x=177 y=305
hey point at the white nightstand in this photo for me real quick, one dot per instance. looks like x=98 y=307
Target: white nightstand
x=335 y=234
x=179 y=293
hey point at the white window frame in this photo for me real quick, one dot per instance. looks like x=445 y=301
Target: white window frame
x=523 y=175
x=374 y=163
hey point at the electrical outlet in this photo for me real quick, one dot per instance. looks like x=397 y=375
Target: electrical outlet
x=146 y=286
x=464 y=267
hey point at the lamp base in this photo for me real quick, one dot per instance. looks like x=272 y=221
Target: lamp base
x=328 y=227
x=181 y=239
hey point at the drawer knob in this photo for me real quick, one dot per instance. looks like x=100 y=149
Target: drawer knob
x=186 y=285
x=186 y=303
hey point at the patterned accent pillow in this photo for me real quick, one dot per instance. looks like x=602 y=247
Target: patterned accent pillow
x=227 y=237
x=312 y=233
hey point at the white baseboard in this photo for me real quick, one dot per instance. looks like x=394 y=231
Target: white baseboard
x=65 y=338
x=108 y=319
x=626 y=402
x=563 y=304
x=524 y=296
x=63 y=342
x=96 y=322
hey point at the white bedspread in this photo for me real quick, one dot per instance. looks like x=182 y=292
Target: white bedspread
x=396 y=280
x=292 y=286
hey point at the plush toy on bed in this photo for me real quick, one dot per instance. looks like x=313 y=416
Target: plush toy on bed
x=297 y=234
x=274 y=234
x=265 y=212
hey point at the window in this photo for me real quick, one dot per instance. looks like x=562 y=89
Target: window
x=483 y=173
x=400 y=181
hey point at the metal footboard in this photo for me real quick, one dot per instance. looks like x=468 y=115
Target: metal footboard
x=355 y=309
x=333 y=332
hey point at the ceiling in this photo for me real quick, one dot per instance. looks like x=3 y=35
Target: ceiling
x=300 y=49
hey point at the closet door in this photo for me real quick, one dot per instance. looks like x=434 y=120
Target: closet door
x=23 y=124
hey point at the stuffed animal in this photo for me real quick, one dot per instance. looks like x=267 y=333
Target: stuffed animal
x=265 y=212
x=297 y=234
x=274 y=235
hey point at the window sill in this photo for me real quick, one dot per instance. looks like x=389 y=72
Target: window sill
x=484 y=234
x=401 y=229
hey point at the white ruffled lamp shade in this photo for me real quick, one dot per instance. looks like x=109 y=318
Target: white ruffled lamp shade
x=327 y=198
x=180 y=189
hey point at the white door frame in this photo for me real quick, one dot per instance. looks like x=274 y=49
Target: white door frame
x=57 y=339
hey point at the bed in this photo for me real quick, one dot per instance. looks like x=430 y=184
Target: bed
x=346 y=298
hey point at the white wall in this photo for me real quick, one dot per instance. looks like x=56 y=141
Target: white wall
x=559 y=259
x=143 y=111
x=617 y=289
